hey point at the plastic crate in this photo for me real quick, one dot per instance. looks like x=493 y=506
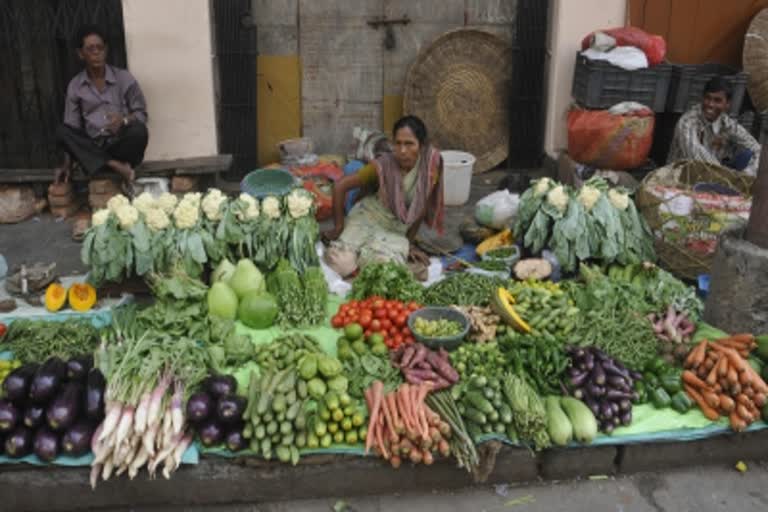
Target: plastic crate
x=600 y=85
x=688 y=81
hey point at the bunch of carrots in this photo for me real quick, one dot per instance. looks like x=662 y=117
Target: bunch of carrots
x=402 y=426
x=721 y=381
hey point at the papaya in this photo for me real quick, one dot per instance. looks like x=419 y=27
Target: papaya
x=55 y=297
x=82 y=296
x=501 y=303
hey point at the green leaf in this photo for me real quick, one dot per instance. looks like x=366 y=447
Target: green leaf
x=141 y=236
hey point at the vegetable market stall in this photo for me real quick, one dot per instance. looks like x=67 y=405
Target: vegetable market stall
x=262 y=361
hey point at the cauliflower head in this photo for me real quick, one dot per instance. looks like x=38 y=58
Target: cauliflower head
x=248 y=207
x=212 y=204
x=144 y=202
x=186 y=214
x=542 y=186
x=271 y=207
x=127 y=215
x=588 y=196
x=100 y=216
x=299 y=203
x=156 y=219
x=167 y=202
x=193 y=198
x=558 y=198
x=619 y=200
x=115 y=202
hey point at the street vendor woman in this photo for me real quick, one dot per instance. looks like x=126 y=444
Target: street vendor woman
x=399 y=190
x=707 y=133
x=105 y=114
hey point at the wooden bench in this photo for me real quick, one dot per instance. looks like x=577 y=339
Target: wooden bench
x=209 y=166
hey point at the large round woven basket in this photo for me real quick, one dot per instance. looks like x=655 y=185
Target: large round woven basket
x=459 y=87
x=677 y=203
x=755 y=60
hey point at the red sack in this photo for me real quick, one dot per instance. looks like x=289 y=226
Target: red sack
x=322 y=189
x=654 y=47
x=610 y=141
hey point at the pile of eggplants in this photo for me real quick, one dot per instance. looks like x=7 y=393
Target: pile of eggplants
x=51 y=409
x=604 y=384
x=216 y=413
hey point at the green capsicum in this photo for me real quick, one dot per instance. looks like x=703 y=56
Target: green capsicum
x=671 y=383
x=681 y=402
x=651 y=380
x=642 y=392
x=660 y=398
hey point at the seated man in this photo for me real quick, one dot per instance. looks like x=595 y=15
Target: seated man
x=105 y=114
x=706 y=132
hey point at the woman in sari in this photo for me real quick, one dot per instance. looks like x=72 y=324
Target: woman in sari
x=399 y=190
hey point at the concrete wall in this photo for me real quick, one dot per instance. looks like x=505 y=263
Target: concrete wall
x=169 y=52
x=571 y=21
x=345 y=75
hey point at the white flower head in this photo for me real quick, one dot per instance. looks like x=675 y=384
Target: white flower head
x=167 y=202
x=212 y=204
x=558 y=198
x=157 y=219
x=186 y=214
x=542 y=186
x=247 y=207
x=299 y=203
x=100 y=216
x=144 y=202
x=619 y=200
x=271 y=207
x=115 y=202
x=193 y=198
x=588 y=196
x=127 y=215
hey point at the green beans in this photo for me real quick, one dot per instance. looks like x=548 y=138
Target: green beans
x=462 y=289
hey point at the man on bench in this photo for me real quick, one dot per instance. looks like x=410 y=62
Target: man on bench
x=105 y=115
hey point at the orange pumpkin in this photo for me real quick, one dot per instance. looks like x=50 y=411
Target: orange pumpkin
x=55 y=297
x=82 y=296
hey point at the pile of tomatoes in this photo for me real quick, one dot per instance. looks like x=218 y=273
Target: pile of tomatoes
x=377 y=315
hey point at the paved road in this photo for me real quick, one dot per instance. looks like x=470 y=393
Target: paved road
x=710 y=489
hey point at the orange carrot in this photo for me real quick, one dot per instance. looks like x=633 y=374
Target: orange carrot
x=690 y=378
x=711 y=397
x=743 y=399
x=696 y=356
x=727 y=404
x=722 y=367
x=377 y=395
x=744 y=413
x=736 y=361
x=757 y=382
x=397 y=422
x=712 y=375
x=737 y=423
x=732 y=376
x=759 y=399
x=708 y=411
x=745 y=378
x=743 y=338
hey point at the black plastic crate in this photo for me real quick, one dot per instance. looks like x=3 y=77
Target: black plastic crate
x=688 y=81
x=600 y=85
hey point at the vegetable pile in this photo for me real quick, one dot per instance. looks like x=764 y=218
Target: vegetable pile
x=421 y=365
x=389 y=318
x=389 y=281
x=462 y=289
x=51 y=409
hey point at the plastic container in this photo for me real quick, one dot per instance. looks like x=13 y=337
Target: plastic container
x=688 y=81
x=438 y=313
x=600 y=85
x=267 y=182
x=457 y=173
x=509 y=260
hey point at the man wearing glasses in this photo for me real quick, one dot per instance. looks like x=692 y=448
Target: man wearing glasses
x=105 y=114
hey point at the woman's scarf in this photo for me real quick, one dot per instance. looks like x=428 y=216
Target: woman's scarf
x=429 y=188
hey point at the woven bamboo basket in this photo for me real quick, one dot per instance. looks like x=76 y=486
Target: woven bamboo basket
x=755 y=60
x=673 y=250
x=459 y=87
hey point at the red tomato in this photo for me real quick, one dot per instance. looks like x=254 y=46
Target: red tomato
x=337 y=321
x=399 y=339
x=380 y=313
x=377 y=303
x=375 y=325
x=392 y=314
x=365 y=320
x=409 y=340
x=386 y=323
x=401 y=320
x=367 y=333
x=413 y=306
x=393 y=331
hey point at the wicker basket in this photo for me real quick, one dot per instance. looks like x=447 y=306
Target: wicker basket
x=681 y=203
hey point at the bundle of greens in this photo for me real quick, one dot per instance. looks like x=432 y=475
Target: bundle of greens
x=463 y=289
x=528 y=413
x=595 y=223
x=37 y=340
x=303 y=300
x=387 y=280
x=305 y=230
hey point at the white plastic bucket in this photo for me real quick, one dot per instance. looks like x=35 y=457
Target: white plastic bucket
x=457 y=173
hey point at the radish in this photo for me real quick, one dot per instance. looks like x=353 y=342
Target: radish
x=139 y=460
x=95 y=471
x=177 y=413
x=142 y=413
x=153 y=414
x=114 y=413
x=148 y=439
x=106 y=471
x=178 y=452
x=126 y=424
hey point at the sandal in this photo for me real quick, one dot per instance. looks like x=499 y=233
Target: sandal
x=80 y=227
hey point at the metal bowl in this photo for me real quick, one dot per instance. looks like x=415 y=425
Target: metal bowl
x=439 y=313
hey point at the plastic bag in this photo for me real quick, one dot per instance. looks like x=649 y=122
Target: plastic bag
x=497 y=210
x=625 y=57
x=654 y=46
x=17 y=203
x=606 y=141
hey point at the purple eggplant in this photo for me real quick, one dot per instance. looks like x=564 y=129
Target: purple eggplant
x=615 y=408
x=76 y=441
x=580 y=379
x=615 y=370
x=594 y=390
x=578 y=394
x=94 y=394
x=598 y=375
x=606 y=411
x=230 y=409
x=210 y=433
x=16 y=384
x=625 y=405
x=607 y=428
x=78 y=368
x=63 y=410
x=235 y=440
x=221 y=385
x=19 y=442
x=9 y=416
x=616 y=382
x=200 y=406
x=589 y=362
x=615 y=394
x=635 y=375
x=47 y=379
x=593 y=406
x=46 y=444
x=626 y=418
x=34 y=416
